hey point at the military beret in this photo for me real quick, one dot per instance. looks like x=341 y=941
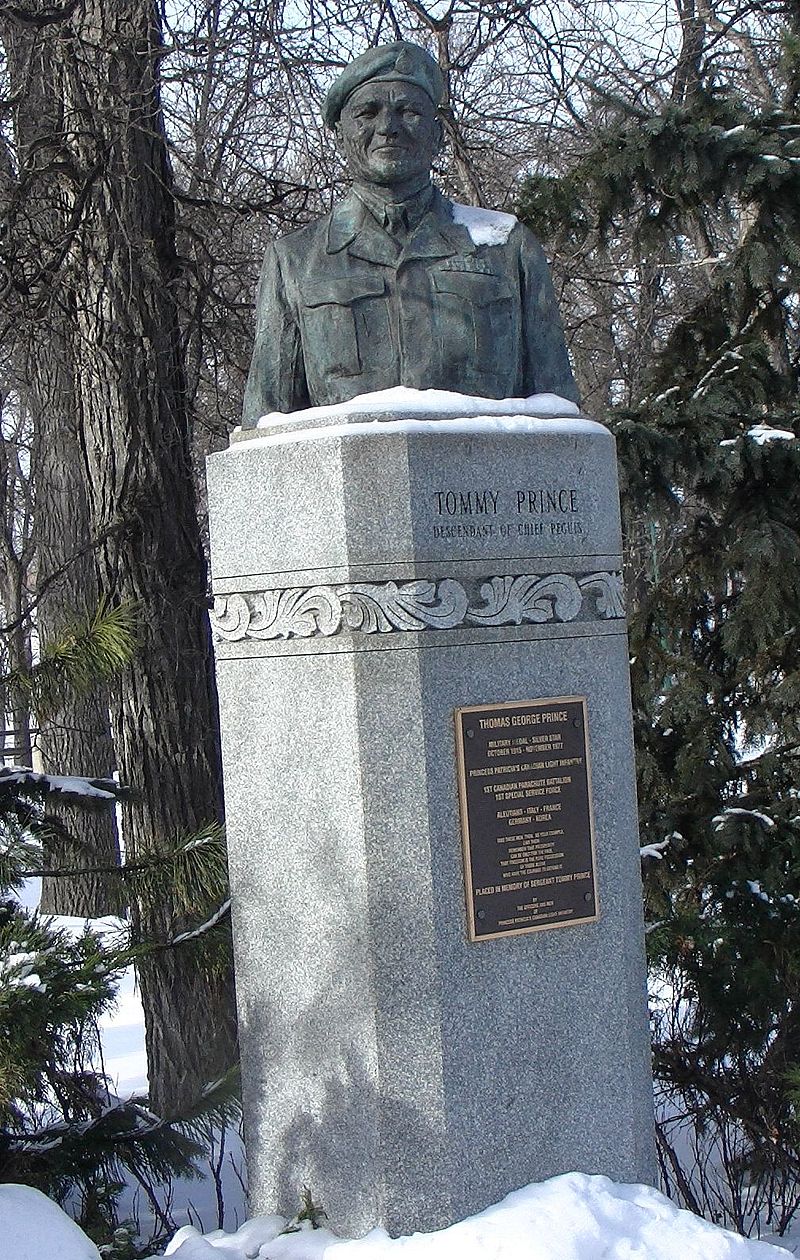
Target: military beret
x=407 y=62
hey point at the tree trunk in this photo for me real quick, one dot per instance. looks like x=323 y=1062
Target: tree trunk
x=18 y=647
x=16 y=555
x=134 y=429
x=76 y=739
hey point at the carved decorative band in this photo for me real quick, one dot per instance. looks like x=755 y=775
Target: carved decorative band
x=383 y=607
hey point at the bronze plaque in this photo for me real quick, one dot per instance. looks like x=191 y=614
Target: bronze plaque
x=526 y=817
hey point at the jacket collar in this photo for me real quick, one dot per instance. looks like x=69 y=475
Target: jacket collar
x=352 y=227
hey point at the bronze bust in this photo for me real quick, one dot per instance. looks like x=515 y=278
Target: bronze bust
x=398 y=285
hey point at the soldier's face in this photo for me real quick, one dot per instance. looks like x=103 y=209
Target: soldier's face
x=388 y=133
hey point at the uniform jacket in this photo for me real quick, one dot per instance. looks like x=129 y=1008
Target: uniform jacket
x=344 y=309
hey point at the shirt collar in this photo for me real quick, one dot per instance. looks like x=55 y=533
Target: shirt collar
x=385 y=213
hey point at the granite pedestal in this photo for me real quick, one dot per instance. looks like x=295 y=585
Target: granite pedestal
x=372 y=575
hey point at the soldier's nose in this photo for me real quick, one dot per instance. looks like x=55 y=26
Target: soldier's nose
x=387 y=123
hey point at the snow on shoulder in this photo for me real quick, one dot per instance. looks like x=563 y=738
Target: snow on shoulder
x=33 y=1227
x=574 y=1217
x=486 y=227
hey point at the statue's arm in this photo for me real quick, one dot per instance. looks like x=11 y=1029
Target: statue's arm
x=277 y=380
x=546 y=369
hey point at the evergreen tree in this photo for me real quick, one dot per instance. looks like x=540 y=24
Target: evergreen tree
x=62 y=1129
x=703 y=200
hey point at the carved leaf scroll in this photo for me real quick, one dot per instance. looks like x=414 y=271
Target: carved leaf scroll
x=384 y=607
x=514 y=600
x=416 y=605
x=608 y=591
x=278 y=614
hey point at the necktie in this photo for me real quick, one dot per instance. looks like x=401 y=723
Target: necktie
x=396 y=222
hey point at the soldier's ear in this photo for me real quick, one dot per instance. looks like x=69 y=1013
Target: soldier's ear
x=337 y=136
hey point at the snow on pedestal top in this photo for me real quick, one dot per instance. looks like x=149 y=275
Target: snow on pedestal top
x=406 y=410
x=430 y=403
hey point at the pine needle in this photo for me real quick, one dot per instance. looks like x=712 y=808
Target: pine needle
x=92 y=652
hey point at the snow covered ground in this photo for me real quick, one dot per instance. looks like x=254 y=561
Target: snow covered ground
x=218 y=1197
x=122 y=1032
x=574 y=1217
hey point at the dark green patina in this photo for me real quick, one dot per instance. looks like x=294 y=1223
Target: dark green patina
x=391 y=288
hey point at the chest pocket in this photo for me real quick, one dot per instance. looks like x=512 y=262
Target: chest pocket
x=478 y=287
x=333 y=311
x=475 y=309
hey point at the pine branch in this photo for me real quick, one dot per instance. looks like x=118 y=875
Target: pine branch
x=211 y=922
x=93 y=651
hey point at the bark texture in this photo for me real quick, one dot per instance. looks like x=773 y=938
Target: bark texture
x=117 y=280
x=135 y=430
x=76 y=737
